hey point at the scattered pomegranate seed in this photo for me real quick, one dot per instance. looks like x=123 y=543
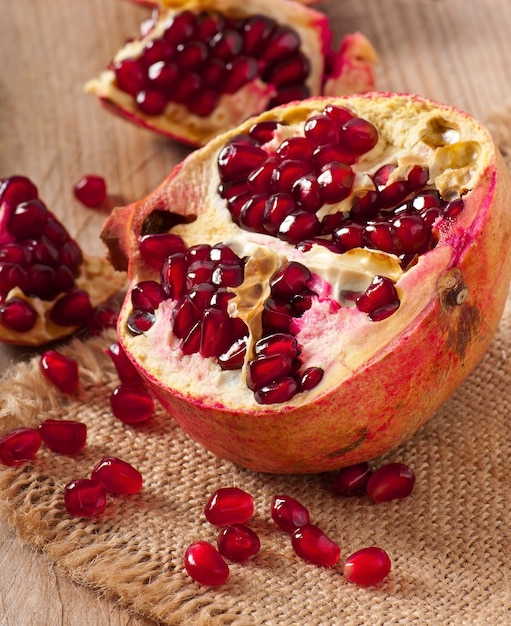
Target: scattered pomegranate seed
x=367 y=567
x=391 y=481
x=312 y=544
x=128 y=374
x=205 y=564
x=91 y=190
x=229 y=505
x=19 y=445
x=63 y=436
x=288 y=513
x=60 y=370
x=84 y=497
x=117 y=475
x=132 y=405
x=238 y=542
x=352 y=480
x=72 y=309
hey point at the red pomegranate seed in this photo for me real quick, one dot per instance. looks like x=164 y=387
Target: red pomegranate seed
x=84 y=497
x=180 y=27
x=151 y=101
x=289 y=72
x=16 y=254
x=380 y=236
x=60 y=370
x=234 y=357
x=229 y=505
x=238 y=72
x=214 y=336
x=63 y=436
x=238 y=160
x=238 y=542
x=352 y=480
x=184 y=317
x=17 y=189
x=298 y=226
x=259 y=180
x=130 y=76
x=277 y=392
x=139 y=322
x=18 y=315
x=104 y=316
x=90 y=190
x=199 y=272
x=12 y=275
x=161 y=75
x=411 y=233
x=72 y=309
x=367 y=567
x=157 y=50
x=277 y=343
x=365 y=207
x=417 y=178
x=28 y=219
x=276 y=318
x=263 y=132
x=287 y=172
x=19 y=445
x=221 y=253
x=293 y=278
x=147 y=295
x=348 y=236
x=288 y=513
x=188 y=88
x=173 y=275
x=311 y=378
x=312 y=544
x=454 y=208
x=391 y=481
x=335 y=181
x=307 y=193
x=227 y=275
x=321 y=129
x=282 y=43
x=358 y=135
x=393 y=194
x=256 y=31
x=199 y=252
x=117 y=475
x=278 y=206
x=128 y=374
x=340 y=115
x=266 y=369
x=205 y=564
x=156 y=248
x=380 y=299
x=295 y=148
x=132 y=405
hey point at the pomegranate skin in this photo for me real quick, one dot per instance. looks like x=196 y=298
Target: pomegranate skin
x=451 y=304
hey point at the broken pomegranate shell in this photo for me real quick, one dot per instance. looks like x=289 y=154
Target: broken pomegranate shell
x=48 y=286
x=328 y=332
x=201 y=67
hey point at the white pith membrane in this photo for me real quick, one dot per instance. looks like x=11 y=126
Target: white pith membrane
x=333 y=334
x=176 y=120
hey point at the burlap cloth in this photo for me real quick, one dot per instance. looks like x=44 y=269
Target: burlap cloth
x=450 y=542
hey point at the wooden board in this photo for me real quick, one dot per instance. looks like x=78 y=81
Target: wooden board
x=456 y=51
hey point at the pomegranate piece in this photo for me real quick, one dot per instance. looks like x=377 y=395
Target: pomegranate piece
x=312 y=544
x=63 y=436
x=367 y=567
x=90 y=190
x=205 y=564
x=60 y=370
x=352 y=480
x=19 y=445
x=132 y=405
x=238 y=542
x=288 y=513
x=84 y=497
x=117 y=475
x=200 y=70
x=391 y=481
x=229 y=505
x=308 y=303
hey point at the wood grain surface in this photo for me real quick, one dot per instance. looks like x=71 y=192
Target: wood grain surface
x=456 y=51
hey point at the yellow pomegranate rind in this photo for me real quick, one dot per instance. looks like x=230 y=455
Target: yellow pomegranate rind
x=383 y=380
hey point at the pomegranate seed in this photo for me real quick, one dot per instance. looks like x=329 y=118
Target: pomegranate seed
x=266 y=369
x=277 y=343
x=391 y=481
x=294 y=277
x=282 y=43
x=161 y=75
x=139 y=322
x=358 y=135
x=367 y=567
x=348 y=236
x=454 y=208
x=117 y=475
x=277 y=392
x=311 y=378
x=205 y=564
x=417 y=178
x=238 y=160
x=239 y=72
x=307 y=193
x=393 y=194
x=173 y=275
x=151 y=101
x=19 y=445
x=72 y=309
x=17 y=189
x=229 y=505
x=340 y=115
x=147 y=295
x=288 y=72
x=234 y=357
x=188 y=88
x=278 y=206
x=130 y=75
x=238 y=542
x=352 y=480
x=263 y=132
x=184 y=317
x=379 y=300
x=63 y=436
x=199 y=272
x=18 y=315
x=288 y=513
x=320 y=130
x=298 y=226
x=276 y=318
x=12 y=275
x=214 y=333
x=157 y=50
x=132 y=405
x=28 y=219
x=411 y=233
x=312 y=544
x=104 y=316
x=335 y=181
x=60 y=370
x=180 y=27
x=125 y=369
x=285 y=175
x=295 y=148
x=84 y=497
x=156 y=248
x=199 y=252
x=226 y=44
x=91 y=190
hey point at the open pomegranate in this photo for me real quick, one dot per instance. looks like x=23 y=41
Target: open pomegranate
x=200 y=67
x=48 y=287
x=308 y=288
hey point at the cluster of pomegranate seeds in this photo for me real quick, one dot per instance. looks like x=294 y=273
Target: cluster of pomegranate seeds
x=19 y=445
x=367 y=567
x=391 y=481
x=90 y=190
x=201 y=56
x=60 y=370
x=63 y=436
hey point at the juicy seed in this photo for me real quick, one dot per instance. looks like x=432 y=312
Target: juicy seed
x=84 y=497
x=310 y=378
x=238 y=160
x=63 y=436
x=312 y=544
x=379 y=300
x=60 y=370
x=91 y=190
x=352 y=480
x=238 y=542
x=117 y=476
x=288 y=513
x=139 y=322
x=358 y=135
x=18 y=315
x=229 y=505
x=132 y=405
x=367 y=567
x=277 y=392
x=390 y=482
x=147 y=296
x=19 y=445
x=72 y=309
x=267 y=369
x=128 y=374
x=205 y=564
x=293 y=278
x=277 y=343
x=157 y=247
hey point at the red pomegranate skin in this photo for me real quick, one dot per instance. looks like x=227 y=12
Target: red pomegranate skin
x=390 y=395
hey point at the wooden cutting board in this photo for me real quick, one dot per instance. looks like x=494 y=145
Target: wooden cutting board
x=455 y=51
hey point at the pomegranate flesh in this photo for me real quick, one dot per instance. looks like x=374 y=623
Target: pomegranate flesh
x=307 y=289
x=201 y=68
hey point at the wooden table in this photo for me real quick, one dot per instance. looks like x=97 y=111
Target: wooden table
x=457 y=51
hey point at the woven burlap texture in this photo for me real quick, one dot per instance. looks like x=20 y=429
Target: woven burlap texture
x=450 y=542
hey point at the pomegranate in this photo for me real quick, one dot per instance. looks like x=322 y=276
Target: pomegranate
x=48 y=287
x=202 y=67
x=295 y=334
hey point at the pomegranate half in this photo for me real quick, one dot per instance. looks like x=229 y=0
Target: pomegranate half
x=307 y=289
x=201 y=67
